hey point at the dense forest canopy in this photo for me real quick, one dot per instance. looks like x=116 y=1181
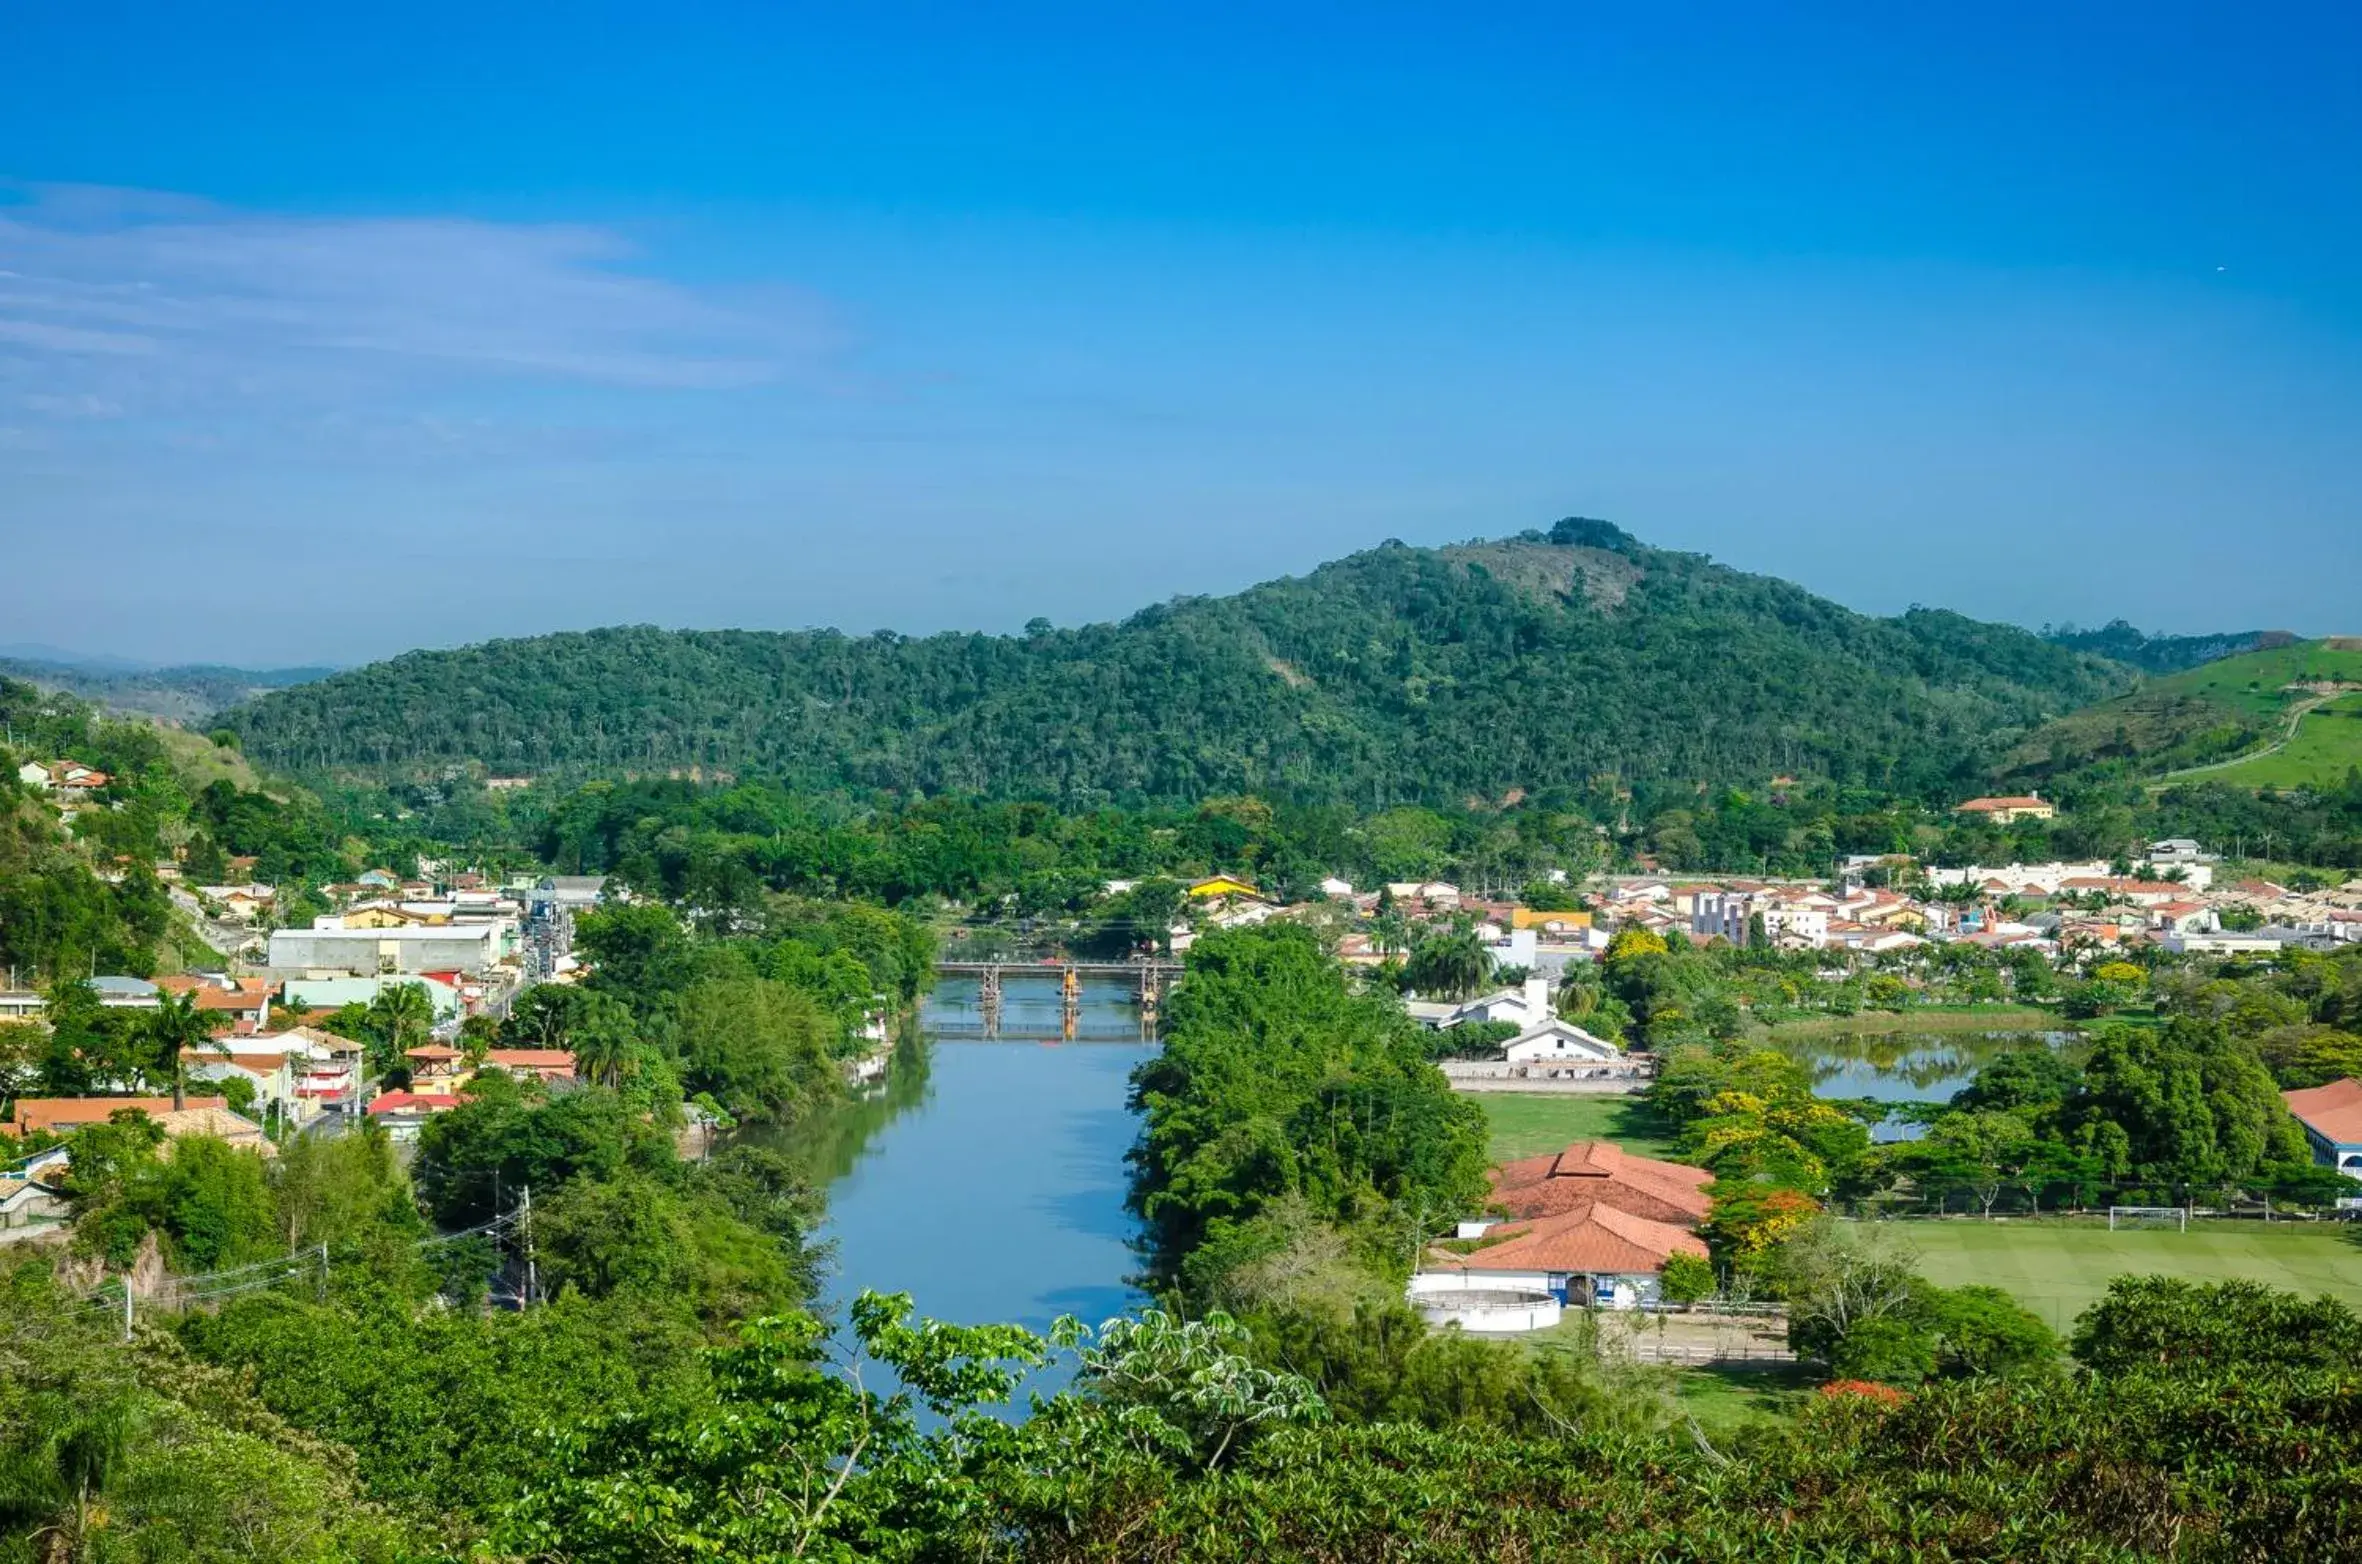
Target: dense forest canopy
x=1399 y=674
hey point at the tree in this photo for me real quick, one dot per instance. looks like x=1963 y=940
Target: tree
x=1453 y=965
x=175 y=1029
x=403 y=1017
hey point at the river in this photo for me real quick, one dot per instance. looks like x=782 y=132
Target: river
x=987 y=1178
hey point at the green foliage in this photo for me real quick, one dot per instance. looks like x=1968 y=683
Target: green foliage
x=1426 y=674
x=1278 y=1079
x=2155 y=1325
x=206 y=1202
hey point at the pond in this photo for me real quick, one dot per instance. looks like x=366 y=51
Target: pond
x=1905 y=1067
x=987 y=1179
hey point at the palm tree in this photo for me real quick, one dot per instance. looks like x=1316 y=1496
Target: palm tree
x=1449 y=966
x=404 y=1017
x=55 y=1481
x=174 y=1028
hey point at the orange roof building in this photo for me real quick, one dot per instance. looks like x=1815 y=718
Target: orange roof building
x=2007 y=811
x=2332 y=1120
x=551 y=1064
x=64 y=1115
x=1592 y=1239
x=1599 y=1172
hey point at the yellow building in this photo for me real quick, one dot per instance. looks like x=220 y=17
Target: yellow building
x=1541 y=918
x=1222 y=885
x=2009 y=811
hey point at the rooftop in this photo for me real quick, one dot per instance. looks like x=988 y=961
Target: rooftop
x=2334 y=1112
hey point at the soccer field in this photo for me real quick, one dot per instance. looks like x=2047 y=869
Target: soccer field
x=2058 y=1269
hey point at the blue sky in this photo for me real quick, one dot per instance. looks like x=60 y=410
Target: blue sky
x=329 y=331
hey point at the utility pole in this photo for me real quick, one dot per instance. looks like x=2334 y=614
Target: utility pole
x=127 y=1306
x=532 y=1272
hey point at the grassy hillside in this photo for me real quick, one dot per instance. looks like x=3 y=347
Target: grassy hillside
x=2225 y=716
x=1397 y=674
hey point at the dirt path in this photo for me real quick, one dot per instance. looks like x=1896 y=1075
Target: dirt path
x=2298 y=713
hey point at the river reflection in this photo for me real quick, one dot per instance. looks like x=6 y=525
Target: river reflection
x=986 y=1179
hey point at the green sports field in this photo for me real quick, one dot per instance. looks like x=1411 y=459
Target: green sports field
x=2059 y=1268
x=1527 y=1124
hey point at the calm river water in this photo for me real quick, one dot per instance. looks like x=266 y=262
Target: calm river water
x=987 y=1180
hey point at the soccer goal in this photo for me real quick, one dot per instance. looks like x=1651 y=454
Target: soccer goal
x=2175 y=1217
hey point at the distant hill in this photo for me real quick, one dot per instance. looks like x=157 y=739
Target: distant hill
x=186 y=694
x=1396 y=674
x=2120 y=642
x=2286 y=716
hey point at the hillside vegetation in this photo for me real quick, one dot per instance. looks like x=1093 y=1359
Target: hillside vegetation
x=1396 y=674
x=182 y=694
x=2120 y=642
x=2272 y=718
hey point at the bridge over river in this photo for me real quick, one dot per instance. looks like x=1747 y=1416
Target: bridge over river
x=1147 y=979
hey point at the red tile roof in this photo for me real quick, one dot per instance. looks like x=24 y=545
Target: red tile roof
x=531 y=1058
x=60 y=1114
x=2333 y=1112
x=1602 y=1172
x=1593 y=1238
x=429 y=1102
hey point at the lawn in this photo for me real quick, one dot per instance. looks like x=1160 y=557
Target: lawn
x=1526 y=1123
x=2326 y=746
x=2058 y=1268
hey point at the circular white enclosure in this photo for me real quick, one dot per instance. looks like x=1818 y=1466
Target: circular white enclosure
x=1489 y=1309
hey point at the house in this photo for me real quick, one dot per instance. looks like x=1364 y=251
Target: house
x=433 y=1065
x=379 y=879
x=570 y=892
x=2175 y=850
x=1332 y=886
x=549 y=1064
x=126 y=993
x=1554 y=1041
x=2183 y=917
x=1547 y=920
x=403 y=1113
x=64 y=1115
x=2332 y=1120
x=1525 y=1006
x=1219 y=885
x=29 y=1192
x=216 y=1122
x=34 y=776
x=244 y=1002
x=2009 y=811
x=1440 y=894
x=309 y=994
x=2139 y=893
x=1598 y=1170
x=17 y=1004
x=1590 y=1253
x=272 y=1075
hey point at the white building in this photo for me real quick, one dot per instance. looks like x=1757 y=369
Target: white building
x=473 y=948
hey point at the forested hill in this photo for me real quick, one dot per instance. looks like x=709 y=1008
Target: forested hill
x=1396 y=674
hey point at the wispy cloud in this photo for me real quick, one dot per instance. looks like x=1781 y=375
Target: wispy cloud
x=115 y=305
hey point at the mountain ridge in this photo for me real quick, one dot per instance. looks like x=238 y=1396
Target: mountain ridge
x=1395 y=674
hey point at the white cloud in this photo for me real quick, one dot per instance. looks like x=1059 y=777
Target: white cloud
x=127 y=303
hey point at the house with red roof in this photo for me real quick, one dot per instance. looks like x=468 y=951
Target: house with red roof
x=1600 y=1172
x=404 y=1113
x=1590 y=1253
x=548 y=1064
x=2332 y=1120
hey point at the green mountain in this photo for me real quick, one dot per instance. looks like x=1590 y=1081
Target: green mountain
x=185 y=694
x=1396 y=674
x=2286 y=716
x=2120 y=642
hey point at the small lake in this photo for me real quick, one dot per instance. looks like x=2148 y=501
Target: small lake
x=1902 y=1067
x=987 y=1180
